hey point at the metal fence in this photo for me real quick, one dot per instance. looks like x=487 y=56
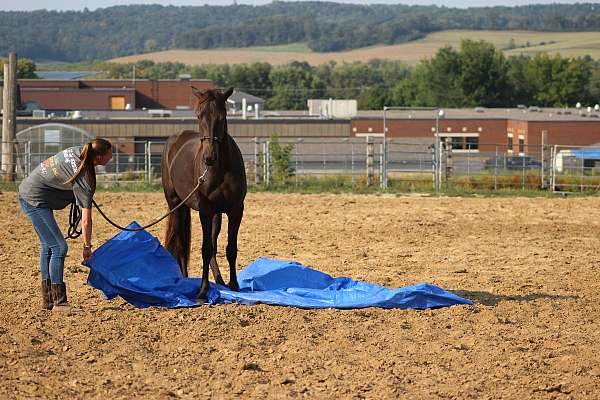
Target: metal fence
x=408 y=162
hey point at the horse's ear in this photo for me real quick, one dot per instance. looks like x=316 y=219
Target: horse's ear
x=227 y=93
x=198 y=93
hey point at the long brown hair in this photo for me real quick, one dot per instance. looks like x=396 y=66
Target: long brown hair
x=97 y=147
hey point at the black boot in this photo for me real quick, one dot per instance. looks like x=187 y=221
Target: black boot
x=59 y=296
x=47 y=301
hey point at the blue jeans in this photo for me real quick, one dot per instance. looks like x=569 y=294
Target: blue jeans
x=53 y=246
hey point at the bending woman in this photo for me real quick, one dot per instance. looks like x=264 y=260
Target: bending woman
x=67 y=177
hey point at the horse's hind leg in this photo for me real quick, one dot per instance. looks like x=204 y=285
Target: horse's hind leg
x=179 y=232
x=233 y=227
x=214 y=266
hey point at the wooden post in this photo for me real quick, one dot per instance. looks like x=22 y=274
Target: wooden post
x=545 y=161
x=370 y=154
x=449 y=165
x=257 y=161
x=8 y=117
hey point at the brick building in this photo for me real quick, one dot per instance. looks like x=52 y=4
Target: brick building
x=513 y=129
x=109 y=94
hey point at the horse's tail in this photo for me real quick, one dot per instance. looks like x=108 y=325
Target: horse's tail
x=178 y=236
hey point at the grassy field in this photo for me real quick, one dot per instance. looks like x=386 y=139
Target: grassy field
x=570 y=44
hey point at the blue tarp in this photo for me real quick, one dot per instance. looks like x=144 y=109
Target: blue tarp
x=136 y=267
x=586 y=154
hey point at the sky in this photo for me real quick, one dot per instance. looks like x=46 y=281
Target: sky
x=13 y=5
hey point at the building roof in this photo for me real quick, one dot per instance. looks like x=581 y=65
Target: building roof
x=519 y=114
x=237 y=96
x=65 y=74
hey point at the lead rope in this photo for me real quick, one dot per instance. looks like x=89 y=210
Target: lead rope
x=74 y=218
x=75 y=214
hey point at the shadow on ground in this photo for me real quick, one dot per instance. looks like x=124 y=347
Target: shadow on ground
x=492 y=299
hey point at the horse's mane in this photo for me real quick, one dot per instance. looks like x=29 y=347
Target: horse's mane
x=207 y=106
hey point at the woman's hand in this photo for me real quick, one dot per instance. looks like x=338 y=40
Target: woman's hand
x=86 y=227
x=87 y=253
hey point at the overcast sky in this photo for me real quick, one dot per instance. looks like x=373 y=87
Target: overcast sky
x=10 y=5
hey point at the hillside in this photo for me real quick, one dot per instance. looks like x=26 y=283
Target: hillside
x=568 y=44
x=323 y=26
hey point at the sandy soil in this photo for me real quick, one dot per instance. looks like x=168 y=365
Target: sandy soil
x=530 y=265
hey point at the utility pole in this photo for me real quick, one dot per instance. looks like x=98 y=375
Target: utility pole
x=8 y=117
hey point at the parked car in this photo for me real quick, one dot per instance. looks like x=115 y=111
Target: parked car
x=512 y=162
x=26 y=109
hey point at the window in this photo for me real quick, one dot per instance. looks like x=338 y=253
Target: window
x=509 y=146
x=51 y=140
x=464 y=142
x=457 y=143
x=472 y=143
x=521 y=145
x=117 y=102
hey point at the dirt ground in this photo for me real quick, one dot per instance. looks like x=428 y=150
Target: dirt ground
x=531 y=266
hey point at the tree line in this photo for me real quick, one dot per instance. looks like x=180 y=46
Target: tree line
x=476 y=74
x=124 y=30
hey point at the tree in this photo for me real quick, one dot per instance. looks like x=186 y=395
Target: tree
x=292 y=84
x=280 y=160
x=560 y=81
x=25 y=68
x=435 y=82
x=483 y=75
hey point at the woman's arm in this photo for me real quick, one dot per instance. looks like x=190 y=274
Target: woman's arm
x=86 y=227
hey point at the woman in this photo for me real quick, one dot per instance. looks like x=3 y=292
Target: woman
x=67 y=177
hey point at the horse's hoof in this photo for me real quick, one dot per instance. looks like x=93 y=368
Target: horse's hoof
x=234 y=287
x=201 y=300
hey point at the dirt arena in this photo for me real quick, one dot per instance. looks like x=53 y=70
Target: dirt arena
x=531 y=265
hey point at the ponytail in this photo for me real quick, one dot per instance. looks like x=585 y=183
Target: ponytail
x=88 y=152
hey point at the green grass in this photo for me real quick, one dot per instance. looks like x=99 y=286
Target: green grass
x=299 y=47
x=568 y=44
x=477 y=185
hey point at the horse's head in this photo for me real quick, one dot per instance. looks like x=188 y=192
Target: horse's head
x=212 y=119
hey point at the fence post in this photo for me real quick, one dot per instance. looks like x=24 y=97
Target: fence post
x=352 y=160
x=496 y=170
x=296 y=163
x=553 y=171
x=146 y=156
x=434 y=167
x=27 y=169
x=369 y=161
x=267 y=162
x=544 y=161
x=468 y=159
x=523 y=173
x=324 y=159
x=9 y=107
x=440 y=150
x=448 y=153
x=117 y=162
x=582 y=174
x=382 y=168
x=256 y=161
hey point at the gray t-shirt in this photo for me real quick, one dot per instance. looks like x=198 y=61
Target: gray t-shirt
x=46 y=187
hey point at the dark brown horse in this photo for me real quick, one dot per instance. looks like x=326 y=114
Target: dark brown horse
x=211 y=157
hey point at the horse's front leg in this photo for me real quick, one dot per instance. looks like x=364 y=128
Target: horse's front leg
x=233 y=227
x=207 y=252
x=214 y=266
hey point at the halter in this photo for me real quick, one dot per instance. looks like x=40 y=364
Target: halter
x=214 y=139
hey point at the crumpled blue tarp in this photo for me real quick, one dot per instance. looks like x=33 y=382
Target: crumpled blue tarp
x=136 y=267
